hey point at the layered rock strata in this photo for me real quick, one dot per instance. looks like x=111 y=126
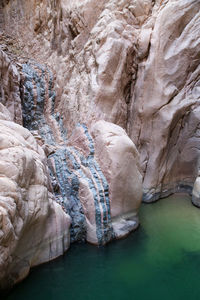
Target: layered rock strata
x=133 y=63
x=51 y=180
x=78 y=175
x=119 y=159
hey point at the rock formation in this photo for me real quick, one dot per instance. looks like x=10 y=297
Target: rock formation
x=119 y=159
x=80 y=76
x=33 y=227
x=10 y=88
x=49 y=176
x=196 y=191
x=164 y=111
x=131 y=62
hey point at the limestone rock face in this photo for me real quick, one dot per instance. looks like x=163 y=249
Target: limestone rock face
x=164 y=111
x=78 y=180
x=33 y=227
x=119 y=160
x=131 y=62
x=90 y=45
x=10 y=87
x=196 y=192
x=96 y=177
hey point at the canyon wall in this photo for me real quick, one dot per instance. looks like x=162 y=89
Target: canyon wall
x=56 y=189
x=33 y=227
x=109 y=91
x=164 y=112
x=132 y=63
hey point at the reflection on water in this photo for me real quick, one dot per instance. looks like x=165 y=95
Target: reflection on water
x=161 y=260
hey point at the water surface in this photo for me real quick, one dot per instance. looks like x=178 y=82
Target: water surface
x=161 y=260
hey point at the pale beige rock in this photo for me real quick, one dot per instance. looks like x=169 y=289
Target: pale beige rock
x=100 y=73
x=119 y=161
x=4 y=113
x=101 y=177
x=10 y=87
x=92 y=48
x=33 y=227
x=127 y=62
x=196 y=192
x=164 y=111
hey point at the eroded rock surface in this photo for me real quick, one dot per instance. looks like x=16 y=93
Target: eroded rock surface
x=196 y=191
x=85 y=65
x=164 y=112
x=119 y=160
x=105 y=177
x=131 y=62
x=92 y=48
x=10 y=87
x=78 y=175
x=33 y=227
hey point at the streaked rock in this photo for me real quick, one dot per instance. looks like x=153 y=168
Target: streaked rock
x=129 y=63
x=119 y=161
x=99 y=182
x=33 y=227
x=134 y=63
x=10 y=87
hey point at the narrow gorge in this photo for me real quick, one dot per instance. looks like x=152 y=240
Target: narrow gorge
x=99 y=112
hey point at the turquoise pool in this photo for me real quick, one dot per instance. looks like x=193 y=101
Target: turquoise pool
x=161 y=260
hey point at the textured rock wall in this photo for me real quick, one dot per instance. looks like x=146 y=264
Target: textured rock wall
x=10 y=87
x=99 y=211
x=119 y=160
x=92 y=48
x=164 y=111
x=85 y=65
x=33 y=228
x=133 y=63
x=76 y=172
x=196 y=192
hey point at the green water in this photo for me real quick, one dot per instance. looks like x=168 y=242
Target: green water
x=161 y=260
